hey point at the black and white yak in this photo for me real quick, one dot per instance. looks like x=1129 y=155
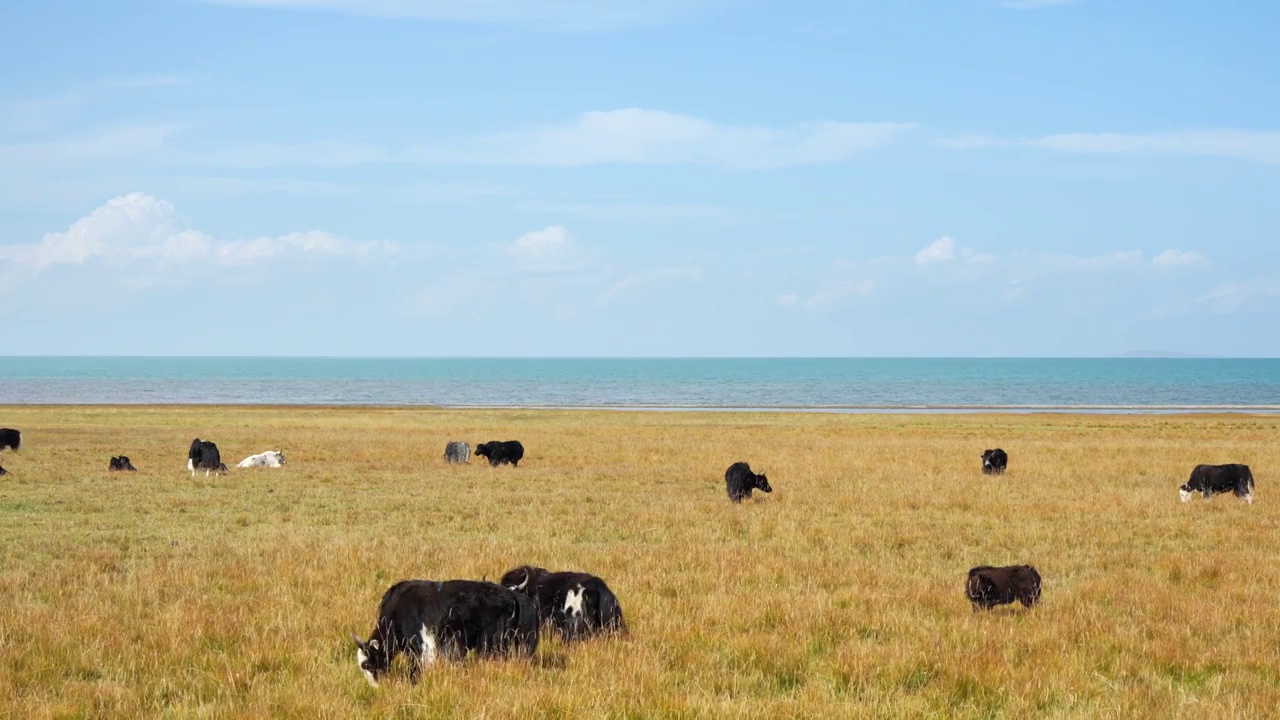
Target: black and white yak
x=431 y=619
x=204 y=456
x=577 y=604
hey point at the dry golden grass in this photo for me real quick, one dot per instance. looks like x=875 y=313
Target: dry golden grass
x=153 y=594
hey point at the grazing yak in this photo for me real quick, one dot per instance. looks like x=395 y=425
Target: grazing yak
x=427 y=619
x=459 y=452
x=990 y=586
x=10 y=439
x=204 y=455
x=270 y=458
x=1210 y=480
x=576 y=604
x=739 y=481
x=994 y=462
x=500 y=452
x=121 y=464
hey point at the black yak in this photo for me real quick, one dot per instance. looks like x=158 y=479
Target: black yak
x=990 y=586
x=739 y=481
x=121 y=464
x=10 y=439
x=994 y=462
x=1210 y=480
x=500 y=452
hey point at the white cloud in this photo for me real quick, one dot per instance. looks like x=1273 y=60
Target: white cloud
x=1247 y=145
x=138 y=228
x=546 y=242
x=944 y=249
x=940 y=250
x=631 y=136
x=563 y=14
x=1173 y=257
x=654 y=137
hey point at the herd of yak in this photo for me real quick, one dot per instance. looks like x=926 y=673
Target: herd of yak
x=428 y=619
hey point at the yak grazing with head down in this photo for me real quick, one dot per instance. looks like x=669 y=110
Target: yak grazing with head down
x=429 y=619
x=577 y=604
x=204 y=455
x=739 y=481
x=990 y=586
x=1210 y=480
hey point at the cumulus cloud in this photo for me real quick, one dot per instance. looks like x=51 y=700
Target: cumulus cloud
x=944 y=249
x=653 y=137
x=138 y=228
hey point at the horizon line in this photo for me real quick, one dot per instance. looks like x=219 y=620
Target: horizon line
x=1120 y=356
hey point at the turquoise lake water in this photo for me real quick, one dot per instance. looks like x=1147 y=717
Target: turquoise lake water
x=833 y=383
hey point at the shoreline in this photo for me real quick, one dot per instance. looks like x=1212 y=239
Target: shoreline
x=1082 y=409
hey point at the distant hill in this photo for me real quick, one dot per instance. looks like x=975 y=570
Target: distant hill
x=1163 y=354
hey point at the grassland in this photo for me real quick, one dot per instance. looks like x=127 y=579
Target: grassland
x=153 y=594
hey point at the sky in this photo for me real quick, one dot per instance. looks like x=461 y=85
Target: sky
x=670 y=178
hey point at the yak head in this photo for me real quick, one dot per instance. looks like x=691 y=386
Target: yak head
x=1185 y=492
x=372 y=657
x=519 y=579
x=762 y=482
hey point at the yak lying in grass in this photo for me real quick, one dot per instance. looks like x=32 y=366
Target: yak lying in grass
x=739 y=481
x=499 y=452
x=990 y=586
x=428 y=619
x=1210 y=480
x=119 y=464
x=270 y=459
x=576 y=604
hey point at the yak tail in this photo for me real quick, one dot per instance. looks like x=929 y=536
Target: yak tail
x=18 y=443
x=611 y=613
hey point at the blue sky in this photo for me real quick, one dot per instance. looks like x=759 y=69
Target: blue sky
x=702 y=177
